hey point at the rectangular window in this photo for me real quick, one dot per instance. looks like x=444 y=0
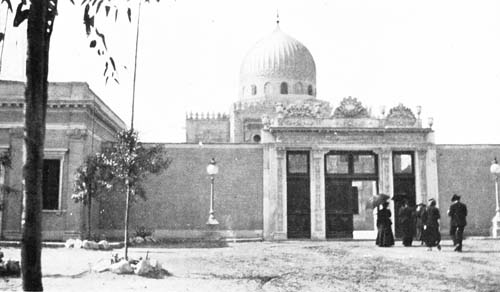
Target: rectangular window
x=337 y=163
x=403 y=163
x=297 y=163
x=50 y=187
x=364 y=164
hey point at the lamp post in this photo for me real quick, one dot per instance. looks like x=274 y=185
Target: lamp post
x=495 y=228
x=212 y=170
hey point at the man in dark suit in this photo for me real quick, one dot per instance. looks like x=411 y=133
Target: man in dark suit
x=457 y=213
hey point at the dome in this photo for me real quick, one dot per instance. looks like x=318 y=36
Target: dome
x=278 y=65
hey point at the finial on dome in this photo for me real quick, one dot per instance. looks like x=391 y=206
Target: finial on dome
x=277 y=17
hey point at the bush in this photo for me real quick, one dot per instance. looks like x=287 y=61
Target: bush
x=143 y=232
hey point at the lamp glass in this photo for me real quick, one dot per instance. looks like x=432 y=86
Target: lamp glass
x=495 y=169
x=212 y=169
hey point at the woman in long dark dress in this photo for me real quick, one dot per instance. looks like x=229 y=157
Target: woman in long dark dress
x=430 y=218
x=385 y=237
x=405 y=216
x=419 y=224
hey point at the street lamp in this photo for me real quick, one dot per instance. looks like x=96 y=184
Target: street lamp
x=212 y=170
x=495 y=170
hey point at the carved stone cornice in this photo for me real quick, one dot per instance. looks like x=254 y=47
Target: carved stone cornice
x=350 y=107
x=77 y=134
x=401 y=116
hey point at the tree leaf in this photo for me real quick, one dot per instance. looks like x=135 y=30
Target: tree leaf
x=21 y=15
x=8 y=4
x=87 y=20
x=93 y=43
x=112 y=63
x=102 y=38
x=98 y=6
x=105 y=69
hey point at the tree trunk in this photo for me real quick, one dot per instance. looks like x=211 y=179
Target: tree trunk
x=127 y=207
x=35 y=111
x=89 y=214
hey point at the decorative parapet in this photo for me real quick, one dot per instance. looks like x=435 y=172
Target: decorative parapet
x=350 y=107
x=400 y=116
x=207 y=116
x=306 y=109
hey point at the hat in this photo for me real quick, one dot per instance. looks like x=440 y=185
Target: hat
x=455 y=197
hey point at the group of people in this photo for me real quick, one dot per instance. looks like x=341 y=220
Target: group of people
x=423 y=222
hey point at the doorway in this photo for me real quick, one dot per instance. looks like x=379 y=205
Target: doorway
x=350 y=180
x=298 y=195
x=404 y=184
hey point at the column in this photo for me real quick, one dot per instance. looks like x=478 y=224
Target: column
x=13 y=204
x=318 y=225
x=420 y=177
x=385 y=172
x=386 y=179
x=281 y=217
x=431 y=174
x=75 y=219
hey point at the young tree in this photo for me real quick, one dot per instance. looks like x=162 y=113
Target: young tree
x=40 y=16
x=91 y=180
x=130 y=162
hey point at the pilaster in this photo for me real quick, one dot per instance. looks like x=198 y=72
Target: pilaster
x=420 y=177
x=318 y=225
x=432 y=174
x=386 y=178
x=281 y=217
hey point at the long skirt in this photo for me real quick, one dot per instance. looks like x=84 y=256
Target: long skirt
x=407 y=232
x=385 y=237
x=431 y=236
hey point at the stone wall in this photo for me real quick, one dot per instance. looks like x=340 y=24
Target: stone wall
x=178 y=200
x=465 y=170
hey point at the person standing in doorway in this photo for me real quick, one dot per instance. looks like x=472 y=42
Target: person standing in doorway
x=419 y=224
x=385 y=238
x=431 y=217
x=405 y=216
x=457 y=213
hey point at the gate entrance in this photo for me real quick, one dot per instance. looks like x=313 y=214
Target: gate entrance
x=350 y=180
x=404 y=184
x=298 y=195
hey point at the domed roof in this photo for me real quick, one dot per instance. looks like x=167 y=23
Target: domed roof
x=279 y=56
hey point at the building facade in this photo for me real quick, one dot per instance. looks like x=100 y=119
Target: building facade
x=291 y=165
x=77 y=123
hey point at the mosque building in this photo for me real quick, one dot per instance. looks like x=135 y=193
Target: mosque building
x=290 y=164
x=322 y=164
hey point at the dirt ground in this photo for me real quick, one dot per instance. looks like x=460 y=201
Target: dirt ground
x=285 y=266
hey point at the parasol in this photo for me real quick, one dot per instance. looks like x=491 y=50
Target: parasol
x=376 y=200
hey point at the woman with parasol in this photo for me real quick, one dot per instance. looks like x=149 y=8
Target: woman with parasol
x=385 y=238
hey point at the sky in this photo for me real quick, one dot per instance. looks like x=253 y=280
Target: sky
x=442 y=55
